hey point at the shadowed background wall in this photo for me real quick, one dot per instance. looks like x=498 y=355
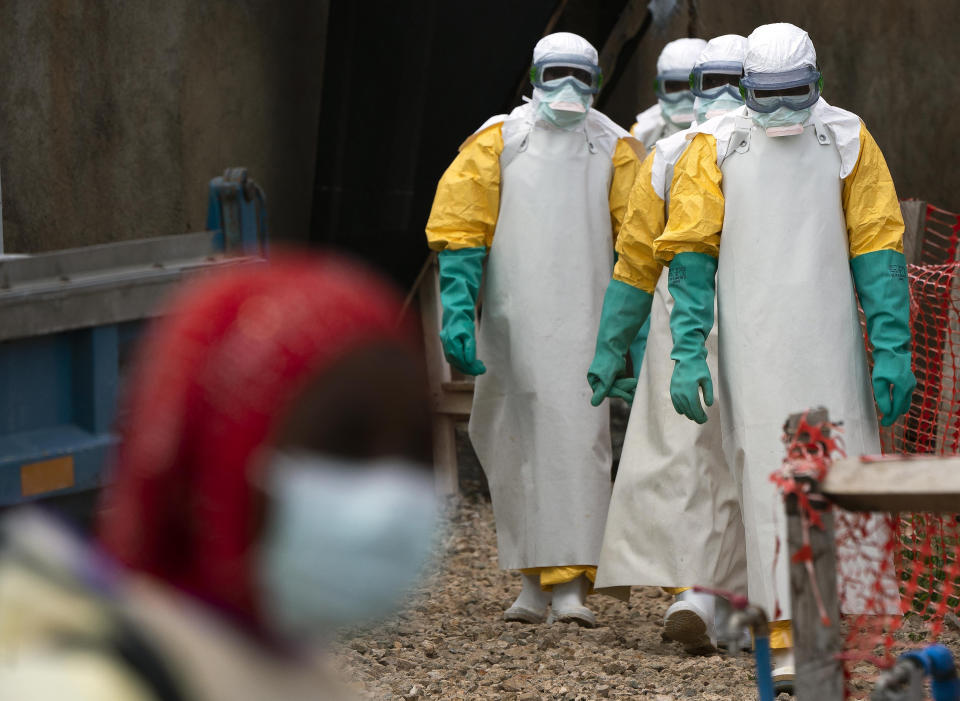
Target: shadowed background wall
x=115 y=115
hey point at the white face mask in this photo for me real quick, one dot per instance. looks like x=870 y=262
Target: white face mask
x=679 y=113
x=564 y=106
x=706 y=108
x=783 y=121
x=345 y=541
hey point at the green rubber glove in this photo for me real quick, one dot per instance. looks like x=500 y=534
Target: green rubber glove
x=625 y=309
x=692 y=283
x=639 y=348
x=881 y=281
x=460 y=275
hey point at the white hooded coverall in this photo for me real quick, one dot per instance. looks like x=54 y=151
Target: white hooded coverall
x=552 y=204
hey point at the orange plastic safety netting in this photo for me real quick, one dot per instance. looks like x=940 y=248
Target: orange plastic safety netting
x=927 y=553
x=899 y=574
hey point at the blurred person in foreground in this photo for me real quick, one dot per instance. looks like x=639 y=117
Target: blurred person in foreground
x=271 y=486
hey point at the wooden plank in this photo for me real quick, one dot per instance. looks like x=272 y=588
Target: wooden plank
x=914 y=219
x=450 y=399
x=438 y=371
x=425 y=269
x=524 y=84
x=896 y=483
x=628 y=25
x=457 y=405
x=458 y=386
x=445 y=456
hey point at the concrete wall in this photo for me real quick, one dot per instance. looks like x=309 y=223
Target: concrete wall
x=895 y=64
x=114 y=115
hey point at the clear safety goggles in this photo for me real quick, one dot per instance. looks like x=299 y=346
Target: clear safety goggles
x=795 y=90
x=582 y=75
x=672 y=86
x=715 y=78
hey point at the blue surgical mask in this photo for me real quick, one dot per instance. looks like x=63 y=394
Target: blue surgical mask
x=561 y=104
x=680 y=112
x=706 y=108
x=780 y=117
x=345 y=541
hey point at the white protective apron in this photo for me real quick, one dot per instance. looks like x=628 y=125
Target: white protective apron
x=790 y=338
x=674 y=515
x=544 y=448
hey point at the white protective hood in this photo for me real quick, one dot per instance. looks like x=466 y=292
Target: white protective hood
x=777 y=48
x=680 y=55
x=726 y=47
x=564 y=44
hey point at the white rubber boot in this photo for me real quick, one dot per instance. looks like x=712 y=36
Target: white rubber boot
x=568 y=603
x=784 y=670
x=531 y=605
x=690 y=620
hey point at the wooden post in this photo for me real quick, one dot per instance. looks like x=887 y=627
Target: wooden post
x=914 y=218
x=819 y=673
x=451 y=399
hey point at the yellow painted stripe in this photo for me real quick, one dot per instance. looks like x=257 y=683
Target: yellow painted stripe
x=46 y=476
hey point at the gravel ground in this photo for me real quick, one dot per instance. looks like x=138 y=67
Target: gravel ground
x=451 y=643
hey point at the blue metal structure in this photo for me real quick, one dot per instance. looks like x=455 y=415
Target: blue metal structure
x=238 y=210
x=746 y=615
x=905 y=681
x=70 y=319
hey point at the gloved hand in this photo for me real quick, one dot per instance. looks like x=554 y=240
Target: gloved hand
x=881 y=281
x=625 y=309
x=460 y=275
x=639 y=348
x=692 y=283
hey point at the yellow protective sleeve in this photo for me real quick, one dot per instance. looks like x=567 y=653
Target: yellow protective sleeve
x=626 y=163
x=465 y=208
x=642 y=225
x=695 y=215
x=870 y=204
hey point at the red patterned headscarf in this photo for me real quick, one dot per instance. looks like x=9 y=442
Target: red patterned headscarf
x=213 y=377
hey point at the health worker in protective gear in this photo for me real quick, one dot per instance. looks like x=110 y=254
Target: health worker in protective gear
x=672 y=113
x=674 y=110
x=538 y=196
x=785 y=211
x=674 y=515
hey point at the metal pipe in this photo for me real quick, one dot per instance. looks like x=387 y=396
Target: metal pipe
x=755 y=618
